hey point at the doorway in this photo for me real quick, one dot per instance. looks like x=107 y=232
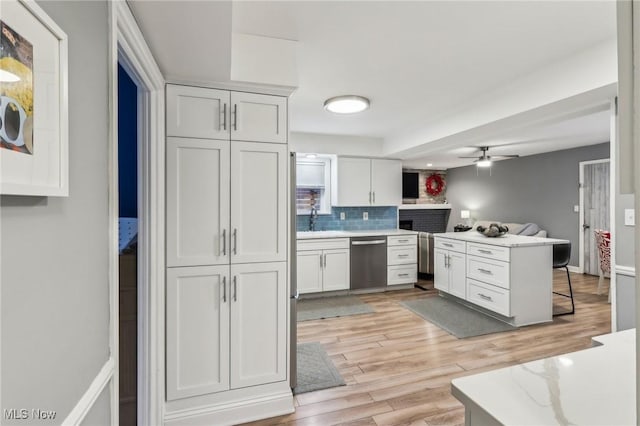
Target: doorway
x=128 y=247
x=595 y=210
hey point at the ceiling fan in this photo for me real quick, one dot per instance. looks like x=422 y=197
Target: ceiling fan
x=484 y=160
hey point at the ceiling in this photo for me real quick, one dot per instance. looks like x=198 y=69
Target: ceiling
x=418 y=61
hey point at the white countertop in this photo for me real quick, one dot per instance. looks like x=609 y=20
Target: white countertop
x=595 y=386
x=309 y=235
x=507 y=240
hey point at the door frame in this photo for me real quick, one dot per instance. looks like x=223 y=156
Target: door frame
x=581 y=221
x=128 y=47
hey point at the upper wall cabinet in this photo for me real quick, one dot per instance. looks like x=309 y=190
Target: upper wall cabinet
x=195 y=112
x=258 y=118
x=367 y=182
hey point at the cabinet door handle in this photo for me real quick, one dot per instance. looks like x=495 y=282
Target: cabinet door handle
x=403 y=255
x=369 y=197
x=447 y=244
x=224 y=117
x=446 y=265
x=325 y=260
x=235 y=241
x=485 y=251
x=374 y=197
x=224 y=242
x=403 y=275
x=403 y=241
x=224 y=289
x=235 y=289
x=235 y=117
x=485 y=297
x=321 y=262
x=485 y=271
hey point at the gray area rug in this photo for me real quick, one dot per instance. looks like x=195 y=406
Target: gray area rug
x=456 y=318
x=329 y=307
x=315 y=369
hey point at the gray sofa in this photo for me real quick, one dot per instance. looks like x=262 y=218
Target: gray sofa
x=515 y=228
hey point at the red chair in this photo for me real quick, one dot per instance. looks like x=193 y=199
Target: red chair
x=603 y=240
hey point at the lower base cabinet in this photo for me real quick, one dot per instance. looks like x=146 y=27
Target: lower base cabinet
x=226 y=328
x=323 y=265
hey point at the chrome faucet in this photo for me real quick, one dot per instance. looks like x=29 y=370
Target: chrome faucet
x=312 y=218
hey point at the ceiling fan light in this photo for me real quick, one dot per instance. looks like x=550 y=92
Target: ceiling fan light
x=483 y=163
x=348 y=104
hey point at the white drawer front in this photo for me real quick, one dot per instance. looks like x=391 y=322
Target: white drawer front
x=402 y=240
x=400 y=255
x=323 y=244
x=488 y=271
x=447 y=244
x=493 y=298
x=402 y=275
x=488 y=251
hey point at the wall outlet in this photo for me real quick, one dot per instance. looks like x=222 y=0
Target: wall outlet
x=342 y=216
x=629 y=217
x=365 y=215
x=576 y=209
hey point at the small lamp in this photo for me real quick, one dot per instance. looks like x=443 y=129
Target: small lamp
x=465 y=214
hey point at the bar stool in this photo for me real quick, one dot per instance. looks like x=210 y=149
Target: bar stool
x=561 y=257
x=603 y=241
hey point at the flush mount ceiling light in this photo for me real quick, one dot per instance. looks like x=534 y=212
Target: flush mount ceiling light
x=348 y=104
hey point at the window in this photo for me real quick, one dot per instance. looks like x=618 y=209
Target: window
x=313 y=182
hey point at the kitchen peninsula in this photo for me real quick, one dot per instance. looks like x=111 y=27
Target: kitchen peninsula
x=508 y=277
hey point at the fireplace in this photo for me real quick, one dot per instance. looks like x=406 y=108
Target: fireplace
x=406 y=224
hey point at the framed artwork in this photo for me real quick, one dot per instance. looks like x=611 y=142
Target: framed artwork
x=34 y=140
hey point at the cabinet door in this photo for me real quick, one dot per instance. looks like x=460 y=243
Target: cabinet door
x=386 y=182
x=259 y=118
x=441 y=271
x=353 y=185
x=198 y=301
x=336 y=274
x=457 y=274
x=195 y=112
x=258 y=202
x=259 y=332
x=197 y=202
x=309 y=271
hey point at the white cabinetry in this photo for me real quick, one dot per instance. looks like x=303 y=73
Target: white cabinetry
x=449 y=272
x=217 y=320
x=196 y=112
x=258 y=318
x=197 y=330
x=402 y=258
x=323 y=265
x=513 y=281
x=366 y=182
x=227 y=299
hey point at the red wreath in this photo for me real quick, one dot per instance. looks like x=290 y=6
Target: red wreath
x=435 y=184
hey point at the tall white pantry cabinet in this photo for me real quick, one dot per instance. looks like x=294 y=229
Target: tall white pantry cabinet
x=226 y=283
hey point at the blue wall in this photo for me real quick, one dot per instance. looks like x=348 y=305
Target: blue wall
x=127 y=144
x=379 y=218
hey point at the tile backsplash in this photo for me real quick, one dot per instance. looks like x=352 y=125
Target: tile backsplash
x=379 y=218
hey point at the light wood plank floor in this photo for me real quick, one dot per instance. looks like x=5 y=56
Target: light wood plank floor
x=398 y=367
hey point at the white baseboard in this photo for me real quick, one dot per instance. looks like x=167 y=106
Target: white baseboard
x=629 y=271
x=82 y=408
x=234 y=413
x=574 y=269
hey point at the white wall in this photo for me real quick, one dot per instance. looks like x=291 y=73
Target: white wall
x=55 y=292
x=335 y=144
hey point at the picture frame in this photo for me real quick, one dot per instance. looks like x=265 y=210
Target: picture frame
x=34 y=134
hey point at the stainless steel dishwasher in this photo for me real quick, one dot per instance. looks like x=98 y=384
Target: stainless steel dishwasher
x=368 y=262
